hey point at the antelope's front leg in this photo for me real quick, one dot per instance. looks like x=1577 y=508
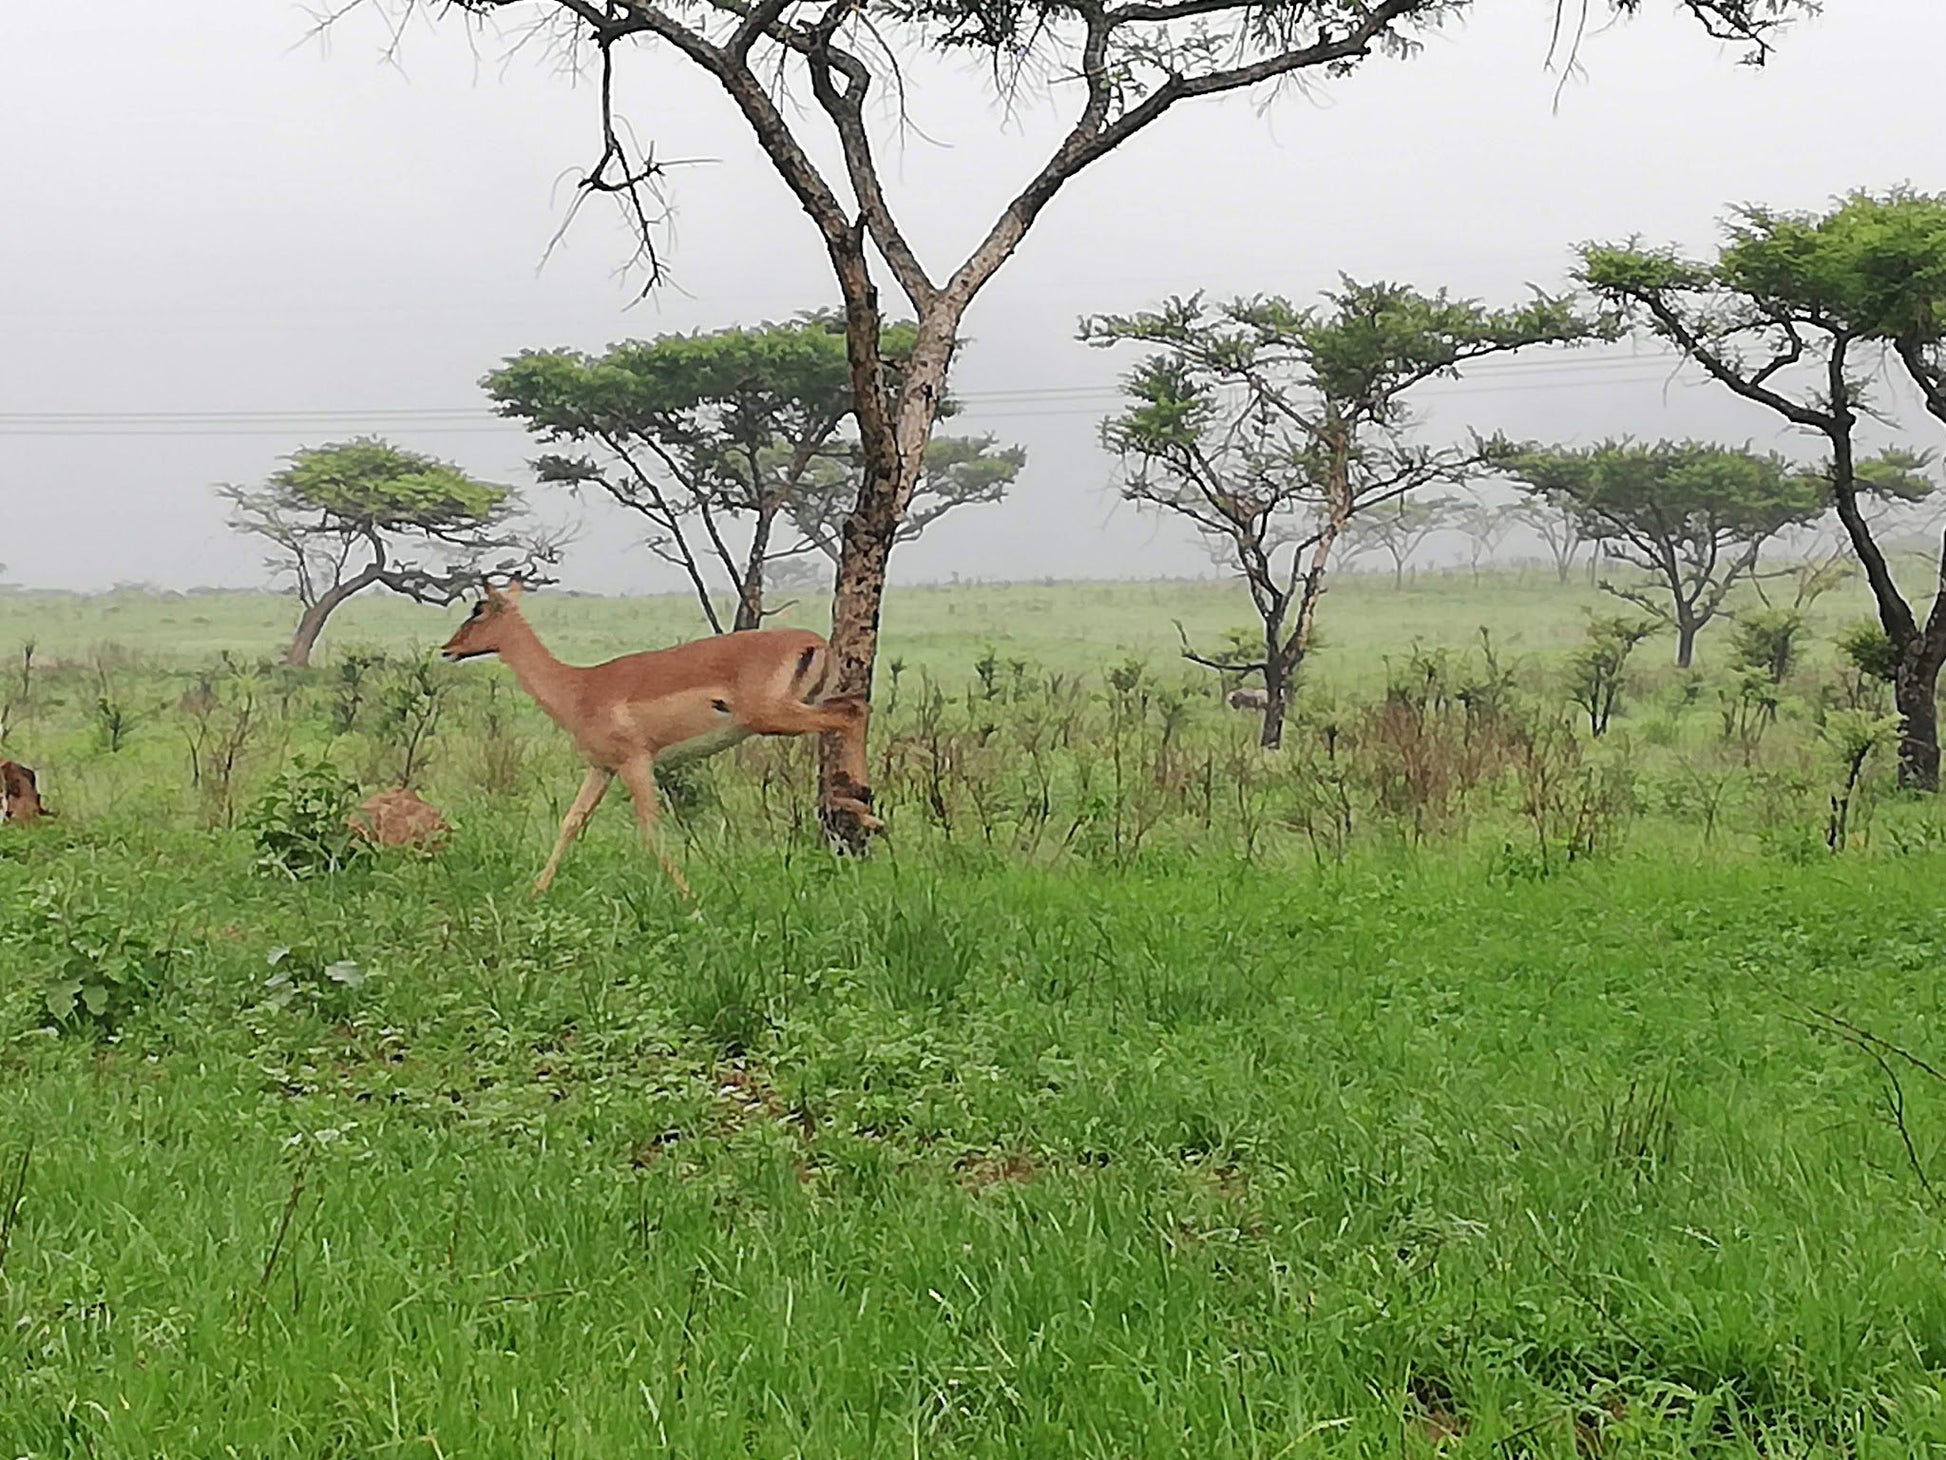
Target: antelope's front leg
x=594 y=786
x=639 y=776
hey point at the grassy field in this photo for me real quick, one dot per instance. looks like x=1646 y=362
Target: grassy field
x=1068 y=627
x=1131 y=1101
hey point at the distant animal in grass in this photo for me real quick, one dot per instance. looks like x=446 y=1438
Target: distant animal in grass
x=401 y=818
x=20 y=795
x=1247 y=699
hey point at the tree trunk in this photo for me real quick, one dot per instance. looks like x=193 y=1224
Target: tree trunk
x=1283 y=660
x=750 y=592
x=1686 y=628
x=1915 y=689
x=893 y=444
x=311 y=624
x=1277 y=687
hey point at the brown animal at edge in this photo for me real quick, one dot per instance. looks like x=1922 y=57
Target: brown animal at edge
x=675 y=704
x=20 y=797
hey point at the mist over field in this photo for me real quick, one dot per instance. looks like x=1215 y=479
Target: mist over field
x=1290 y=806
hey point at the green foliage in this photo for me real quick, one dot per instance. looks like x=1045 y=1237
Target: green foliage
x=353 y=515
x=350 y=676
x=104 y=970
x=1855 y=734
x=1875 y=262
x=298 y=824
x=371 y=484
x=1596 y=671
x=411 y=702
x=1687 y=494
x=1873 y=265
x=303 y=977
x=954 y=1114
x=1767 y=640
x=1869 y=650
x=1693 y=516
x=1270 y=428
x=114 y=722
x=742 y=420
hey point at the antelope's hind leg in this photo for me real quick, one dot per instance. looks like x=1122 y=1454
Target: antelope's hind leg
x=845 y=716
x=593 y=787
x=639 y=776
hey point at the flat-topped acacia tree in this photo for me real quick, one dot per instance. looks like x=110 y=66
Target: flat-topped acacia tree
x=352 y=515
x=800 y=74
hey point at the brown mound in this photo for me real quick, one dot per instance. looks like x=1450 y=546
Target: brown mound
x=20 y=797
x=398 y=819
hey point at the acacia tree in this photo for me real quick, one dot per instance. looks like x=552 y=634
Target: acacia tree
x=1401 y=528
x=1558 y=529
x=1269 y=428
x=360 y=514
x=1810 y=316
x=1486 y=526
x=1694 y=517
x=1130 y=62
x=724 y=441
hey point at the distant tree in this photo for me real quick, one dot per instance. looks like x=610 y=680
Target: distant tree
x=734 y=445
x=810 y=82
x=1269 y=428
x=1694 y=517
x=1486 y=527
x=1400 y=528
x=1558 y=529
x=361 y=514
x=1806 y=315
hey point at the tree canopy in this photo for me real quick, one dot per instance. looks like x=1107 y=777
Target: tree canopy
x=737 y=445
x=351 y=515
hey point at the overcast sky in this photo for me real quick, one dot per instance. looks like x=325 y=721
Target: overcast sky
x=259 y=241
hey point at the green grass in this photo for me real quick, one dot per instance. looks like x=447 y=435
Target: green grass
x=977 y=1160
x=1198 y=1141
x=1071 y=627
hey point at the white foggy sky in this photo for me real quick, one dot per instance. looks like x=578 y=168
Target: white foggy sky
x=207 y=214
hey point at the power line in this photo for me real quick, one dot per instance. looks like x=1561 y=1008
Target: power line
x=1512 y=375
x=455 y=423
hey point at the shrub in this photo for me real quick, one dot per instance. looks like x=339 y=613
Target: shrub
x=1867 y=649
x=104 y=970
x=299 y=823
x=1765 y=640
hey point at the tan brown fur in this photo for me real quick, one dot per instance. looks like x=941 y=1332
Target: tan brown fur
x=666 y=704
x=20 y=797
x=401 y=818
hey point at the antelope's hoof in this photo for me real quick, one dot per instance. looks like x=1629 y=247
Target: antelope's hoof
x=858 y=811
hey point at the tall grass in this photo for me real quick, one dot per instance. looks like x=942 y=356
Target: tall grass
x=1441 y=1086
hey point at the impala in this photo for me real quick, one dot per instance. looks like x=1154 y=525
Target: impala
x=682 y=703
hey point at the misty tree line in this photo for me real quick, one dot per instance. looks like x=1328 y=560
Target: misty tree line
x=1279 y=456
x=1283 y=435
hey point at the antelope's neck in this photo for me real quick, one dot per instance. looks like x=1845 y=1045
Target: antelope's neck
x=553 y=685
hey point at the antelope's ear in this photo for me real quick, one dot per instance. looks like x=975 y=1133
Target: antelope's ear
x=513 y=591
x=493 y=595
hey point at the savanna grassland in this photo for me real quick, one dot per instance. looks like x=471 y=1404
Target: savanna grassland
x=1455 y=1081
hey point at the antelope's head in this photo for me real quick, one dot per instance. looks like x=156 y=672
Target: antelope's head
x=486 y=625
